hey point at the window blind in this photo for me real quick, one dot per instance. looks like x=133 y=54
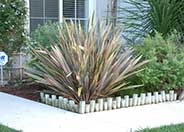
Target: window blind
x=76 y=10
x=42 y=11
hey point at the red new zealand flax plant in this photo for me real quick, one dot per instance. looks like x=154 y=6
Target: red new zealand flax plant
x=85 y=64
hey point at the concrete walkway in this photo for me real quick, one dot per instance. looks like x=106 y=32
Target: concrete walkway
x=31 y=116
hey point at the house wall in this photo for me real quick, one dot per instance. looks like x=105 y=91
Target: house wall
x=100 y=8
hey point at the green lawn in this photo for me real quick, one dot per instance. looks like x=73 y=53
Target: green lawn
x=169 y=128
x=7 y=129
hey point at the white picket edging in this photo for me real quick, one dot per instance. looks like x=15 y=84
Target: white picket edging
x=92 y=105
x=135 y=99
x=82 y=107
x=126 y=101
x=97 y=107
x=108 y=103
x=100 y=102
x=105 y=105
x=149 y=95
x=87 y=108
x=118 y=102
x=163 y=96
x=138 y=101
x=143 y=96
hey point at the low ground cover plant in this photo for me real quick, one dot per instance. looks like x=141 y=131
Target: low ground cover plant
x=85 y=65
x=168 y=128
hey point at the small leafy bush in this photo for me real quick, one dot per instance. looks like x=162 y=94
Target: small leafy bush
x=45 y=35
x=85 y=65
x=165 y=69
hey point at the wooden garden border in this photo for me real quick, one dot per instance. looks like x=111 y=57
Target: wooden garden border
x=108 y=103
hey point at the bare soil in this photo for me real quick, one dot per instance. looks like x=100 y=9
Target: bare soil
x=31 y=91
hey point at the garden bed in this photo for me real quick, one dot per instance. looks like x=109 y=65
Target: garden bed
x=104 y=104
x=25 y=91
x=37 y=93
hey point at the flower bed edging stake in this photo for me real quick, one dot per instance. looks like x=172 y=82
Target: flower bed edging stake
x=118 y=102
x=87 y=108
x=143 y=96
x=92 y=105
x=60 y=102
x=97 y=107
x=149 y=98
x=138 y=101
x=122 y=103
x=156 y=97
x=135 y=99
x=82 y=107
x=53 y=100
x=105 y=105
x=171 y=95
x=163 y=96
x=167 y=97
x=109 y=101
x=131 y=102
x=126 y=101
x=160 y=98
x=100 y=102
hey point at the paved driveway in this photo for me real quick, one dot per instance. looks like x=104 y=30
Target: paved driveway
x=31 y=116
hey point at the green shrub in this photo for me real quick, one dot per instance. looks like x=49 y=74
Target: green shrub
x=45 y=35
x=85 y=65
x=166 y=67
x=12 y=25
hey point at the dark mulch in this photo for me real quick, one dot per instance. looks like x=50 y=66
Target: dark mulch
x=31 y=91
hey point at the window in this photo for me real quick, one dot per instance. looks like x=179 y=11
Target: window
x=42 y=11
x=76 y=10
